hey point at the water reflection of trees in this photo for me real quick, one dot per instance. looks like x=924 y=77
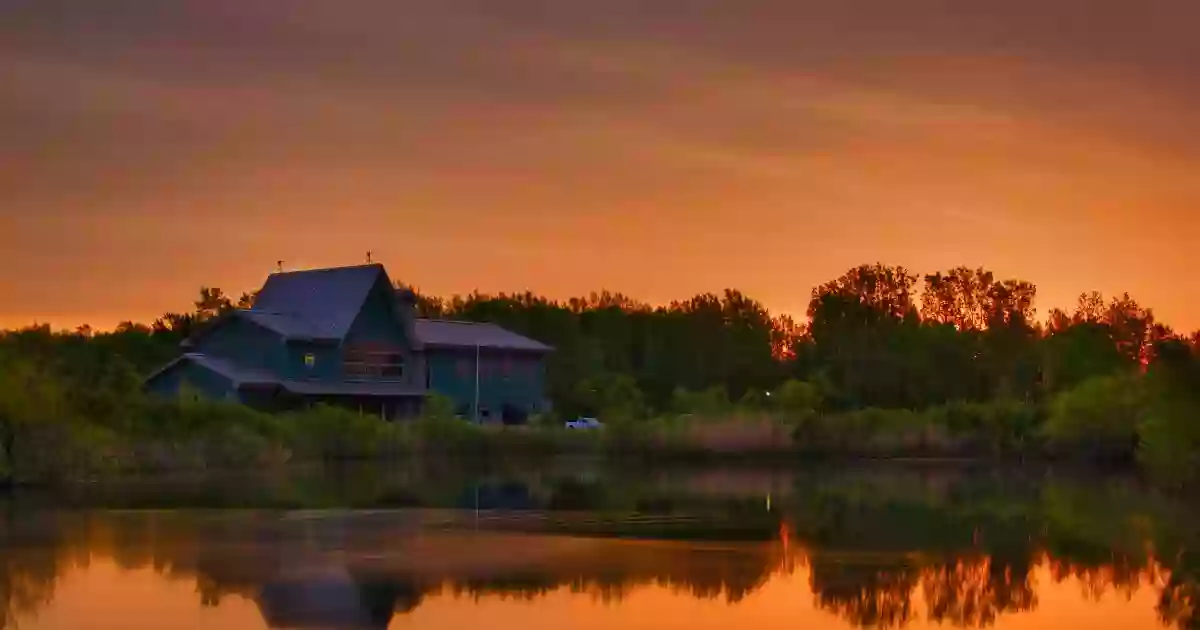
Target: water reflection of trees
x=865 y=593
x=617 y=569
x=1177 y=605
x=993 y=530
x=345 y=573
x=972 y=592
x=873 y=558
x=31 y=559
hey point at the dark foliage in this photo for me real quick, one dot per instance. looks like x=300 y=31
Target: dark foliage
x=886 y=364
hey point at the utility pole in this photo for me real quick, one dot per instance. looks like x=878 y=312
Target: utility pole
x=477 y=382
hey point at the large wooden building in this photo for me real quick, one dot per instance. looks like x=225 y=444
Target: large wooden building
x=346 y=336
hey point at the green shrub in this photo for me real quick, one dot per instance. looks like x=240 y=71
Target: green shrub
x=5 y=468
x=754 y=399
x=42 y=437
x=798 y=402
x=956 y=429
x=544 y=421
x=800 y=398
x=1169 y=446
x=60 y=451
x=1097 y=418
x=999 y=426
x=864 y=432
x=449 y=435
x=627 y=437
x=884 y=432
x=611 y=397
x=437 y=407
x=331 y=433
x=710 y=402
x=236 y=446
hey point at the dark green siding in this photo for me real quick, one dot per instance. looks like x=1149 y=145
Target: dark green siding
x=376 y=323
x=327 y=364
x=505 y=378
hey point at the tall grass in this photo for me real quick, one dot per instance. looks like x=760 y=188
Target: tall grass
x=53 y=433
x=951 y=430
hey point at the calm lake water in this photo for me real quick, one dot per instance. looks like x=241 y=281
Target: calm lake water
x=574 y=545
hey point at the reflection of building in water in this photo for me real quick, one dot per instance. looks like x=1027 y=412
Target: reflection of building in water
x=334 y=600
x=359 y=571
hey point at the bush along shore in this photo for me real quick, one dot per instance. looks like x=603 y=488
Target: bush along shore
x=881 y=368
x=53 y=435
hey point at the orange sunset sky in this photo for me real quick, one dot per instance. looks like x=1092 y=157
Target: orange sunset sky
x=660 y=148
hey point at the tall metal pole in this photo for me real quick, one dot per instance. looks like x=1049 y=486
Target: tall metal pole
x=477 y=383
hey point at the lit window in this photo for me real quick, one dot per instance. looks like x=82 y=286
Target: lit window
x=310 y=359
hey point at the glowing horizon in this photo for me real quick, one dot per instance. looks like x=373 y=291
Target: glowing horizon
x=572 y=148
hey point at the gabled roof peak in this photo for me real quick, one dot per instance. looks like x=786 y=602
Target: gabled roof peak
x=374 y=265
x=325 y=300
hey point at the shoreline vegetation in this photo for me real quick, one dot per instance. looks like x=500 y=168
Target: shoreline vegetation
x=961 y=368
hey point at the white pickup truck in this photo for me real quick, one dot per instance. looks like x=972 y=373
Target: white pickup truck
x=584 y=423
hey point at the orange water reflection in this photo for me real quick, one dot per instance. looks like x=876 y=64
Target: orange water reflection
x=242 y=571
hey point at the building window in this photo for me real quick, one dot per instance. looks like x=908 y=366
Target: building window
x=372 y=362
x=392 y=366
x=310 y=360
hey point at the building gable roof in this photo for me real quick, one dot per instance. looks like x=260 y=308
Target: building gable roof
x=237 y=375
x=322 y=305
x=318 y=304
x=286 y=326
x=450 y=333
x=241 y=376
x=289 y=326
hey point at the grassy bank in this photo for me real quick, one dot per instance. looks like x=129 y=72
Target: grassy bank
x=51 y=444
x=53 y=431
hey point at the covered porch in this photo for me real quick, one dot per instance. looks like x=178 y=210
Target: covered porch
x=385 y=400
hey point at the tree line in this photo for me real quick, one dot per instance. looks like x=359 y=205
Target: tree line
x=957 y=348
x=872 y=340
